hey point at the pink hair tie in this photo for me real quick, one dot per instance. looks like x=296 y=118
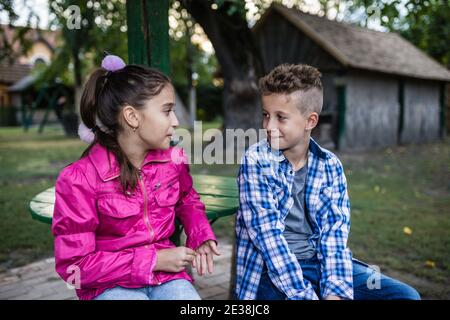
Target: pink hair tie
x=85 y=134
x=112 y=63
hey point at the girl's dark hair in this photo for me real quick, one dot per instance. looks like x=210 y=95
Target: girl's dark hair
x=104 y=95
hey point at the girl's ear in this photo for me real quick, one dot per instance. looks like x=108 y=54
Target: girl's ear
x=313 y=119
x=131 y=116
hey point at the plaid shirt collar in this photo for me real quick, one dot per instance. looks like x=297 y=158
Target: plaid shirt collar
x=278 y=156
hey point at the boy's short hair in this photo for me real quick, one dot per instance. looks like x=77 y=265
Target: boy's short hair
x=293 y=78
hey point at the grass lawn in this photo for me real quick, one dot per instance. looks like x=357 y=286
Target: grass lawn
x=400 y=200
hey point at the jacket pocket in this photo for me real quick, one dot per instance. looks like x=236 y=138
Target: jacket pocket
x=118 y=213
x=167 y=193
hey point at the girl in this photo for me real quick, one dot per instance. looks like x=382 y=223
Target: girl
x=115 y=207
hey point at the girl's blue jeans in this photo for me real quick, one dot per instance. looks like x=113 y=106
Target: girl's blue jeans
x=173 y=290
x=388 y=288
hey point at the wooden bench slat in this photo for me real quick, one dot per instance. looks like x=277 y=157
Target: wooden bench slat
x=215 y=181
x=222 y=202
x=46 y=197
x=217 y=193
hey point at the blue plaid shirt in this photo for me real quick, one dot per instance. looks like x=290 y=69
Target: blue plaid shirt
x=265 y=182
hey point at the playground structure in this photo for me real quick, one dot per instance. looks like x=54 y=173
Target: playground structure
x=54 y=97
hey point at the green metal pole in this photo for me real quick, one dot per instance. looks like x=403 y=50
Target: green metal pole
x=148 y=33
x=148 y=44
x=442 y=113
x=342 y=106
x=401 y=115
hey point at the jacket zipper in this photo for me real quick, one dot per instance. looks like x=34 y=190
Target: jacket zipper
x=146 y=218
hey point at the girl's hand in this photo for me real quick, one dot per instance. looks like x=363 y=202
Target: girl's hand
x=174 y=259
x=204 y=257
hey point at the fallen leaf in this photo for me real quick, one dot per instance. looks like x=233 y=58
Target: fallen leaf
x=407 y=230
x=430 y=264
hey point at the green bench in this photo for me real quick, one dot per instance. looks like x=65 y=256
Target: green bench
x=219 y=194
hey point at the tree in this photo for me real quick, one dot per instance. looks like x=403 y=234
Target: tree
x=424 y=23
x=225 y=24
x=186 y=38
x=87 y=30
x=427 y=25
x=7 y=53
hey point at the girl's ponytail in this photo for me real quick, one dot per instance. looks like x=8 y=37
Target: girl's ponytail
x=88 y=106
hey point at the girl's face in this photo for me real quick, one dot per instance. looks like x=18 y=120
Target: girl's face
x=158 y=120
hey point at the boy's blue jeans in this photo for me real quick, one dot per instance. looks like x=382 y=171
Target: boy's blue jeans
x=172 y=290
x=388 y=289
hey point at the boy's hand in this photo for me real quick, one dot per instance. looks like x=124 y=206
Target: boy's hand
x=174 y=259
x=333 y=298
x=204 y=257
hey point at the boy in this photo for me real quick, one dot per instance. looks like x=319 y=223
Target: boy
x=294 y=216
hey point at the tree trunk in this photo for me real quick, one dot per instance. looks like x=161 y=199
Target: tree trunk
x=241 y=104
x=77 y=99
x=78 y=79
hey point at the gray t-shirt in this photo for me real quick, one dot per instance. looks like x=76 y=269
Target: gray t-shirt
x=298 y=229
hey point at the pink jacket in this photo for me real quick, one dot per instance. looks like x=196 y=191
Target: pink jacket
x=107 y=238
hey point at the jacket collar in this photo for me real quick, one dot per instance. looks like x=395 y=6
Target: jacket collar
x=107 y=165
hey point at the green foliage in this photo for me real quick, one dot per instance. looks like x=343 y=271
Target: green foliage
x=186 y=54
x=7 y=53
x=202 y=63
x=233 y=7
x=427 y=25
x=101 y=26
x=424 y=23
x=209 y=101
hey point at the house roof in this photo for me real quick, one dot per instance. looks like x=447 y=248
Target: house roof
x=363 y=48
x=10 y=73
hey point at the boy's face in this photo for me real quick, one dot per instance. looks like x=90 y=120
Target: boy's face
x=285 y=124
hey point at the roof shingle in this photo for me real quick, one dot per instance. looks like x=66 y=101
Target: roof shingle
x=14 y=72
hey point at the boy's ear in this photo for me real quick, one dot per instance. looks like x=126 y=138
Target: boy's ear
x=130 y=116
x=313 y=119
